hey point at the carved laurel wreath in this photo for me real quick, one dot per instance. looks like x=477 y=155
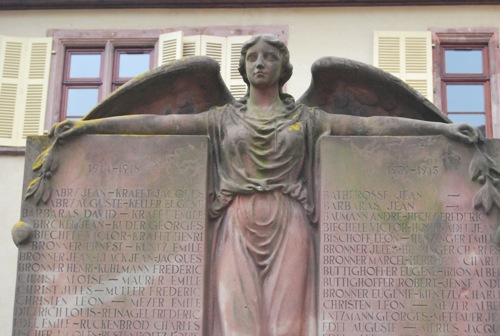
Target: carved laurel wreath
x=482 y=170
x=45 y=165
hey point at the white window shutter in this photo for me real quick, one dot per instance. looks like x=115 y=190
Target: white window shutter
x=408 y=56
x=233 y=78
x=215 y=47
x=24 y=72
x=170 y=47
x=11 y=52
x=225 y=50
x=191 y=46
x=39 y=51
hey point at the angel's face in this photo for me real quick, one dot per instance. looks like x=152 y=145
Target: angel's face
x=263 y=65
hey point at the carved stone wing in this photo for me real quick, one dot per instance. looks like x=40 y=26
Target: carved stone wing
x=186 y=86
x=343 y=86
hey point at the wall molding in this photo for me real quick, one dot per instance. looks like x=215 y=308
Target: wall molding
x=103 y=4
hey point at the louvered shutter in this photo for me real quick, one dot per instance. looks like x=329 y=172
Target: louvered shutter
x=408 y=56
x=24 y=72
x=36 y=86
x=215 y=47
x=191 y=46
x=170 y=47
x=225 y=50
x=233 y=78
x=205 y=45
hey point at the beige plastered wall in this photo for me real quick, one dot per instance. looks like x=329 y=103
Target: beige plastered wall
x=344 y=32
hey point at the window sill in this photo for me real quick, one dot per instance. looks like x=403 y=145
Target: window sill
x=12 y=151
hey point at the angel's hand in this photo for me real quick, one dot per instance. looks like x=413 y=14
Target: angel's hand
x=464 y=133
x=67 y=129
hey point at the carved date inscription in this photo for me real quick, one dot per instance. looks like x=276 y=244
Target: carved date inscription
x=119 y=249
x=402 y=251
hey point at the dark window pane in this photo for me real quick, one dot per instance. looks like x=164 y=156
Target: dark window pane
x=81 y=101
x=132 y=65
x=85 y=66
x=465 y=97
x=463 y=61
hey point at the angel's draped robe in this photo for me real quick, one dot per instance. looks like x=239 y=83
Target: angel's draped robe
x=263 y=261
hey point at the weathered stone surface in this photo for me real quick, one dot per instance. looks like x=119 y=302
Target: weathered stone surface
x=120 y=245
x=402 y=251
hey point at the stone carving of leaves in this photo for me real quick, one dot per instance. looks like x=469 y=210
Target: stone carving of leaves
x=482 y=169
x=45 y=164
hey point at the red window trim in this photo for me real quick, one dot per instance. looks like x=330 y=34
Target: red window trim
x=81 y=51
x=465 y=76
x=119 y=81
x=112 y=83
x=64 y=100
x=487 y=37
x=487 y=90
x=106 y=40
x=79 y=83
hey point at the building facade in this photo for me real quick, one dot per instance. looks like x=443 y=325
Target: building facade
x=58 y=62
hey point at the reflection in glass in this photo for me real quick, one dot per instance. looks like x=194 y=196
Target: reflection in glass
x=465 y=97
x=85 y=66
x=472 y=119
x=463 y=61
x=478 y=120
x=81 y=101
x=132 y=65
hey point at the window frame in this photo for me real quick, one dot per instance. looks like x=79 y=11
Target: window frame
x=97 y=82
x=81 y=51
x=467 y=38
x=464 y=46
x=467 y=78
x=116 y=80
x=108 y=40
x=81 y=83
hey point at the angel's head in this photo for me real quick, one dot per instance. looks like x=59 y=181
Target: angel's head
x=286 y=67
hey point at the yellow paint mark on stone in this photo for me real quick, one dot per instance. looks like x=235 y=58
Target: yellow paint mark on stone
x=295 y=127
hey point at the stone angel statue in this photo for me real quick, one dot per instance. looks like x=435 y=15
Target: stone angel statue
x=263 y=150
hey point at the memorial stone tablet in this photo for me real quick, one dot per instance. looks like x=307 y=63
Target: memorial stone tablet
x=402 y=250
x=119 y=248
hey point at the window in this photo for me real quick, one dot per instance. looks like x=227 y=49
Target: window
x=87 y=65
x=465 y=84
x=84 y=75
x=463 y=73
x=82 y=82
x=129 y=63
